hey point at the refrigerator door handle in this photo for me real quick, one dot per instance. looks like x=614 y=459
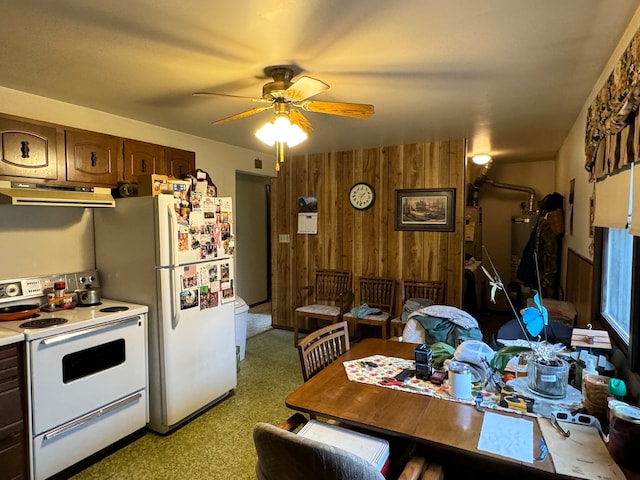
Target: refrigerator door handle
x=173 y=221
x=175 y=312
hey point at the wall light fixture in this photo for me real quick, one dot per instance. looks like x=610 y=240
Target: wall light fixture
x=482 y=159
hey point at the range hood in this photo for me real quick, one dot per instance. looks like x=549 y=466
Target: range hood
x=25 y=193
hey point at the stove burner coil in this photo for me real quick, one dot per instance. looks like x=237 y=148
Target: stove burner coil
x=117 y=308
x=89 y=305
x=43 y=322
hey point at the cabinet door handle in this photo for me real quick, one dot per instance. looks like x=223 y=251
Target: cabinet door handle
x=94 y=159
x=24 y=149
x=144 y=166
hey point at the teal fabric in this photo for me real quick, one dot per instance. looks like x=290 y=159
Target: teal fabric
x=443 y=330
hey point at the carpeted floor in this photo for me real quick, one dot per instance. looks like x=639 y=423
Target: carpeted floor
x=218 y=444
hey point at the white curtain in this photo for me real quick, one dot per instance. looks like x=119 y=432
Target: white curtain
x=612 y=201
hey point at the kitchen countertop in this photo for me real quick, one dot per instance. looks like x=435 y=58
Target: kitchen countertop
x=8 y=337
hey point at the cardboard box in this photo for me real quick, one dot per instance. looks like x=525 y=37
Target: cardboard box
x=372 y=449
x=152 y=184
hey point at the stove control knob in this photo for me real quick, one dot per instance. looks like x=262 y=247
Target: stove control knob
x=12 y=289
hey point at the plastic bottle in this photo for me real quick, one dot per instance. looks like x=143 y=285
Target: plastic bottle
x=590 y=367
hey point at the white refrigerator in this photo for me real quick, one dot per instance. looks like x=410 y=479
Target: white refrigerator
x=176 y=256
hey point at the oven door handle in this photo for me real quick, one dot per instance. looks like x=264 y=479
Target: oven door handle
x=63 y=337
x=92 y=416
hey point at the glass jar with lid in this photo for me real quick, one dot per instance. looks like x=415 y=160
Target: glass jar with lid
x=624 y=434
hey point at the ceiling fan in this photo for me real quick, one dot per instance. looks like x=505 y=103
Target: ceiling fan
x=282 y=93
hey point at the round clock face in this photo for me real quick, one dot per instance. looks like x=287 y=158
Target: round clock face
x=361 y=196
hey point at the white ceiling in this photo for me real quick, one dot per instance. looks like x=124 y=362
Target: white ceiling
x=509 y=75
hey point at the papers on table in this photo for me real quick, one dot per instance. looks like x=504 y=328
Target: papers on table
x=583 y=454
x=509 y=437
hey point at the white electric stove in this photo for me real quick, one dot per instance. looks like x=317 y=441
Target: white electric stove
x=86 y=369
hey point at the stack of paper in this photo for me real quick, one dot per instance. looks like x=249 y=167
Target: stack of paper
x=372 y=449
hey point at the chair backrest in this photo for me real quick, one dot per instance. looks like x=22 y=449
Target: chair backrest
x=378 y=293
x=322 y=347
x=283 y=455
x=331 y=284
x=433 y=290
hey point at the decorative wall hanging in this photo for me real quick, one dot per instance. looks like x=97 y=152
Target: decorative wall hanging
x=308 y=214
x=426 y=209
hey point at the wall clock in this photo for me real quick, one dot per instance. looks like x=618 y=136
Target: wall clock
x=361 y=196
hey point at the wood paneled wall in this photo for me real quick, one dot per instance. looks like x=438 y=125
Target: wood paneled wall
x=580 y=286
x=365 y=242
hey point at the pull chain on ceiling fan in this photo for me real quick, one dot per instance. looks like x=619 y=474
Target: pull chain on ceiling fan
x=290 y=126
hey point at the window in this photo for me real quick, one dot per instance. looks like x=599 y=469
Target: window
x=618 y=293
x=616 y=281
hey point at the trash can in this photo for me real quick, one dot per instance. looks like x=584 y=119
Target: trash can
x=241 y=315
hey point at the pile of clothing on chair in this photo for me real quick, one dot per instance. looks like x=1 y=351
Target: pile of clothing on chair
x=439 y=323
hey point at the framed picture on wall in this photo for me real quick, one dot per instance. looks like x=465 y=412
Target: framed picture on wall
x=431 y=209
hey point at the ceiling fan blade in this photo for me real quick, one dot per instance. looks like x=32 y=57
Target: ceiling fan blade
x=239 y=97
x=298 y=119
x=238 y=116
x=305 y=87
x=355 y=110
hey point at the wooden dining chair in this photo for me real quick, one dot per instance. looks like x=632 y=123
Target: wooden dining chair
x=284 y=455
x=322 y=347
x=378 y=293
x=328 y=299
x=424 y=289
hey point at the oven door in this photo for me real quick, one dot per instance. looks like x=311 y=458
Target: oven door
x=83 y=370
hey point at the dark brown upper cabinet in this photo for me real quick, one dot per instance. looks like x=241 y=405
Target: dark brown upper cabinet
x=29 y=150
x=92 y=158
x=36 y=151
x=179 y=162
x=141 y=158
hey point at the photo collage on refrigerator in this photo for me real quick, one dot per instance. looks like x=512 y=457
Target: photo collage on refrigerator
x=205 y=226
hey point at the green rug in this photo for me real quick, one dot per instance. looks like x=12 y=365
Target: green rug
x=218 y=444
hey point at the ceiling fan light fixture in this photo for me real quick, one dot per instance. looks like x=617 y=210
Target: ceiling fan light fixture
x=281 y=130
x=481 y=159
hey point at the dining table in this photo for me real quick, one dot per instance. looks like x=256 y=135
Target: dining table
x=448 y=430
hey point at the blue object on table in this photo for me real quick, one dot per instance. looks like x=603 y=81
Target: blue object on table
x=535 y=318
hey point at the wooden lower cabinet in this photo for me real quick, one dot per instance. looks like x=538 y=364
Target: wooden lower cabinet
x=13 y=434
x=92 y=158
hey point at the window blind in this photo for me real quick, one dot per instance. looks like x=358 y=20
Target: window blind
x=634 y=226
x=612 y=201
